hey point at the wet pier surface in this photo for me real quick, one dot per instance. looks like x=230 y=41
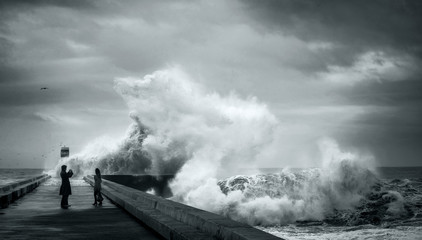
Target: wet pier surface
x=38 y=216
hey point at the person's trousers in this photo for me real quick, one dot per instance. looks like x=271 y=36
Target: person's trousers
x=64 y=200
x=97 y=195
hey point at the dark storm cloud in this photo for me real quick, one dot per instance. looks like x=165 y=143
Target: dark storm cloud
x=28 y=95
x=19 y=56
x=56 y=93
x=12 y=74
x=389 y=122
x=392 y=93
x=77 y=4
x=5 y=47
x=275 y=50
x=394 y=135
x=355 y=26
x=390 y=127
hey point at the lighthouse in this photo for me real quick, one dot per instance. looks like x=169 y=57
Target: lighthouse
x=64 y=152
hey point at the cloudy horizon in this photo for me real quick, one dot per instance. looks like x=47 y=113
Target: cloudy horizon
x=339 y=69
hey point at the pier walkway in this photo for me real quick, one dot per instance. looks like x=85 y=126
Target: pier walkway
x=38 y=216
x=126 y=213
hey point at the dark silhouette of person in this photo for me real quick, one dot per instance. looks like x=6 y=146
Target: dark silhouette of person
x=65 y=189
x=97 y=188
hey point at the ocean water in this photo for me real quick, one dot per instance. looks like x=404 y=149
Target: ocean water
x=11 y=175
x=390 y=208
x=8 y=176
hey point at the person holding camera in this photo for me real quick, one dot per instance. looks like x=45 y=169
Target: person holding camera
x=65 y=189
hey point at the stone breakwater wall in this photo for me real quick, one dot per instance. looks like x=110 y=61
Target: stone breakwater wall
x=12 y=192
x=173 y=220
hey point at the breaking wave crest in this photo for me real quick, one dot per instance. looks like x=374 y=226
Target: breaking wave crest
x=304 y=197
x=290 y=196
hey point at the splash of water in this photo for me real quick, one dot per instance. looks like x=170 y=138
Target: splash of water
x=202 y=137
x=177 y=124
x=287 y=197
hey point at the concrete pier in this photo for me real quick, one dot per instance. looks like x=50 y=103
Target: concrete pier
x=174 y=220
x=38 y=216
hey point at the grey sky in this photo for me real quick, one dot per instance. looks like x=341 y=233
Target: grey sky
x=349 y=70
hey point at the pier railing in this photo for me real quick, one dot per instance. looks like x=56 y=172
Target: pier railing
x=11 y=192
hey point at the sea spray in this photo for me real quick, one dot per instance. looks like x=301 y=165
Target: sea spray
x=200 y=128
x=112 y=156
x=202 y=137
x=177 y=124
x=86 y=161
x=307 y=195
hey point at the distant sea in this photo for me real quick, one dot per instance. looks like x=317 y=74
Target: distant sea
x=390 y=173
x=387 y=173
x=8 y=176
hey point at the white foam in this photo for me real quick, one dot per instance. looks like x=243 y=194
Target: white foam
x=179 y=127
x=292 y=232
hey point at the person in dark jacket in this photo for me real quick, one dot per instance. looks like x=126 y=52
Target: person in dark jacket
x=97 y=188
x=65 y=189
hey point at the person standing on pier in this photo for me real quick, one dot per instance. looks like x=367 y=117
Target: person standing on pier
x=97 y=188
x=65 y=189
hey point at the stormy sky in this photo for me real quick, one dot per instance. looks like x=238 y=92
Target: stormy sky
x=348 y=70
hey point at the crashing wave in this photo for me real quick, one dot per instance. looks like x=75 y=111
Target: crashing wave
x=200 y=137
x=383 y=203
